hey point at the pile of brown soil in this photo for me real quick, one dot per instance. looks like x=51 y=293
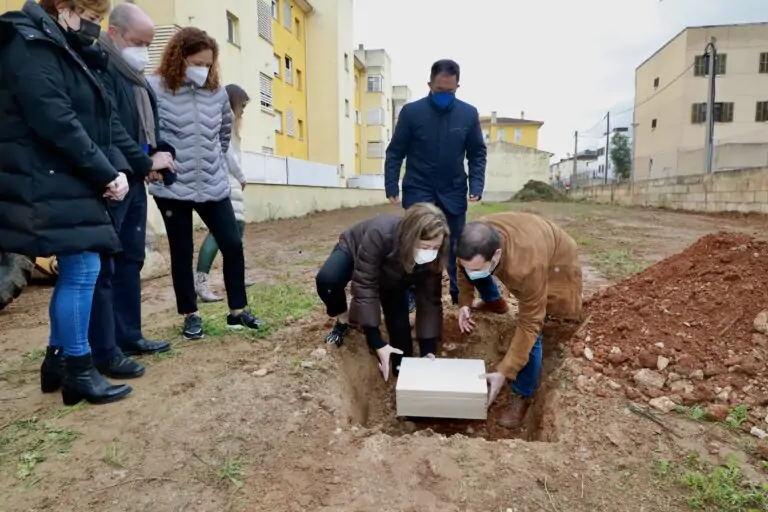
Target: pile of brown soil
x=690 y=328
x=539 y=191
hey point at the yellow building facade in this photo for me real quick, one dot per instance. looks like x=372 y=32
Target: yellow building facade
x=375 y=89
x=521 y=131
x=289 y=22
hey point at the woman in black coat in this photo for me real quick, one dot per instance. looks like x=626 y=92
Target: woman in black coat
x=56 y=172
x=382 y=258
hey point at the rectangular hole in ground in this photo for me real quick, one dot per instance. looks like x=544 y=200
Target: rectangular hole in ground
x=370 y=402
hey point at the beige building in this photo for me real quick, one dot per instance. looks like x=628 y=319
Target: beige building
x=510 y=166
x=401 y=94
x=375 y=108
x=331 y=67
x=670 y=102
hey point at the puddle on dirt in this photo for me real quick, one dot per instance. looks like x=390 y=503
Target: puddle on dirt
x=370 y=402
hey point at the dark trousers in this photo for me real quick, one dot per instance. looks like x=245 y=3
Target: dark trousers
x=219 y=218
x=456 y=225
x=332 y=280
x=116 y=311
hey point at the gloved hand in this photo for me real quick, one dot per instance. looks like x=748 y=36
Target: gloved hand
x=495 y=382
x=384 y=354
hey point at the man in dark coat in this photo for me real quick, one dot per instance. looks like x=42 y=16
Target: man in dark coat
x=115 y=331
x=433 y=135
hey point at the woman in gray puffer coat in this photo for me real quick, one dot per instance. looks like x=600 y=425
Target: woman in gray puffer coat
x=196 y=119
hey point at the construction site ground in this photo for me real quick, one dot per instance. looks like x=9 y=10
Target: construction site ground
x=281 y=422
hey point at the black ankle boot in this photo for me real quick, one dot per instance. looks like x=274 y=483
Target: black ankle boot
x=52 y=370
x=83 y=382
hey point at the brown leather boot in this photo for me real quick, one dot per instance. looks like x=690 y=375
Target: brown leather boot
x=513 y=417
x=498 y=306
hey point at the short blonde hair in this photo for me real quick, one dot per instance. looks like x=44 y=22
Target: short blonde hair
x=423 y=221
x=100 y=7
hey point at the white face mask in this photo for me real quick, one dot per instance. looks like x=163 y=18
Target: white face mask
x=137 y=57
x=424 y=256
x=198 y=75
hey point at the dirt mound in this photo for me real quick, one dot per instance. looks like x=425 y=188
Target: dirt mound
x=539 y=191
x=685 y=328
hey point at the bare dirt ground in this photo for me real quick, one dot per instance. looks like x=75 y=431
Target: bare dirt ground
x=279 y=422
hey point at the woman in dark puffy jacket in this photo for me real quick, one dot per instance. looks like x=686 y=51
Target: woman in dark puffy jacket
x=57 y=168
x=383 y=257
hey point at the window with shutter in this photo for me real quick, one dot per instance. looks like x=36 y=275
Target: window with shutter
x=375 y=150
x=163 y=34
x=278 y=121
x=290 y=123
x=374 y=117
x=265 y=85
x=375 y=83
x=265 y=20
x=287 y=14
x=288 y=70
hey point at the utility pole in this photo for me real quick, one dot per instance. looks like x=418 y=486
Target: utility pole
x=607 y=143
x=710 y=54
x=575 y=156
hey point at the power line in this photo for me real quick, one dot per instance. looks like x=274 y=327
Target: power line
x=649 y=98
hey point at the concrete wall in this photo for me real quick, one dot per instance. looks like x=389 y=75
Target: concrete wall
x=510 y=166
x=269 y=202
x=744 y=190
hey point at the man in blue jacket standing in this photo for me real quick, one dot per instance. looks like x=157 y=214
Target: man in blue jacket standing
x=433 y=135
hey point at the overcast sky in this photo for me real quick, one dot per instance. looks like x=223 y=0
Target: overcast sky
x=564 y=62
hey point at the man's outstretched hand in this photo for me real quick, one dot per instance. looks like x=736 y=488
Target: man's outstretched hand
x=474 y=199
x=466 y=324
x=394 y=199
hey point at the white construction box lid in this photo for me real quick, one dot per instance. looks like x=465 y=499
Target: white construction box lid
x=441 y=378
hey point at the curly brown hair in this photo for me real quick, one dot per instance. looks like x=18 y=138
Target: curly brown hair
x=173 y=67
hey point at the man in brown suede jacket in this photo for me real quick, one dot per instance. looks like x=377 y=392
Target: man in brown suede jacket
x=539 y=264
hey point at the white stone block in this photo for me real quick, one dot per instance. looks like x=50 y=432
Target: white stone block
x=441 y=388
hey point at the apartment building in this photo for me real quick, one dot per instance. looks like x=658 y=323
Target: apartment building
x=245 y=55
x=671 y=90
x=359 y=78
x=375 y=107
x=289 y=89
x=401 y=94
x=521 y=131
x=331 y=85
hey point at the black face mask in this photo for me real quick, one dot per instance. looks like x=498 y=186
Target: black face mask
x=87 y=34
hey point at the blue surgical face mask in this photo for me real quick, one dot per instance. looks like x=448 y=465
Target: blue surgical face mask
x=443 y=100
x=474 y=275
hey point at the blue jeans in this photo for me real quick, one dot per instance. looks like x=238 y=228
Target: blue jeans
x=70 y=308
x=528 y=378
x=487 y=288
